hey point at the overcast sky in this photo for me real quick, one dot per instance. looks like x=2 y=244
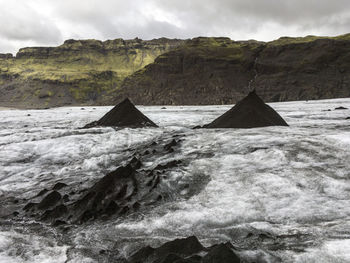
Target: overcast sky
x=49 y=22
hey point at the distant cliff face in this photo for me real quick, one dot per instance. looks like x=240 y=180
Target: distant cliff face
x=177 y=72
x=220 y=71
x=77 y=72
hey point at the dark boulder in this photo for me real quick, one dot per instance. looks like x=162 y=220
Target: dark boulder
x=125 y=114
x=251 y=112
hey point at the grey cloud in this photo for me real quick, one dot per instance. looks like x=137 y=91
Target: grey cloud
x=21 y=22
x=49 y=22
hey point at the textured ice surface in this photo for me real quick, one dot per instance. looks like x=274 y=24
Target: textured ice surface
x=289 y=183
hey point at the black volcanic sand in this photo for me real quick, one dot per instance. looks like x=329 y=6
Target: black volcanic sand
x=251 y=112
x=125 y=114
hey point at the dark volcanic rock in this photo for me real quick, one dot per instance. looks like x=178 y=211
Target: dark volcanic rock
x=59 y=186
x=139 y=184
x=341 y=108
x=175 y=250
x=125 y=114
x=171 y=258
x=183 y=247
x=57 y=212
x=188 y=250
x=250 y=112
x=50 y=200
x=142 y=254
x=129 y=188
x=104 y=196
x=42 y=192
x=221 y=253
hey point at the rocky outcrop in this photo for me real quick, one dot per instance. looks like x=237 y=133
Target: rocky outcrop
x=76 y=72
x=125 y=114
x=131 y=187
x=251 y=112
x=186 y=250
x=221 y=71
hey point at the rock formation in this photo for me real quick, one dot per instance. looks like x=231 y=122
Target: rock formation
x=188 y=250
x=125 y=114
x=251 y=112
x=127 y=189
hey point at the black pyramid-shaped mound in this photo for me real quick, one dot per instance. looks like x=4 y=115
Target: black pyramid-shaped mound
x=125 y=114
x=251 y=112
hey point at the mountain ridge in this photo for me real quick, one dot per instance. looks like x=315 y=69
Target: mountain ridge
x=209 y=70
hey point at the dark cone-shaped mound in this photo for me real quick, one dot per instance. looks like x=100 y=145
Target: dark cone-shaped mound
x=251 y=112
x=125 y=114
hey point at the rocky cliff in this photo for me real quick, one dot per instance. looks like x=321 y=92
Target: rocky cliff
x=76 y=72
x=163 y=71
x=221 y=71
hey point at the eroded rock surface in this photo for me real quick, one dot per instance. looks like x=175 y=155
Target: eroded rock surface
x=131 y=187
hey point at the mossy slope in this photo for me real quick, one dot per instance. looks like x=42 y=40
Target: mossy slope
x=76 y=72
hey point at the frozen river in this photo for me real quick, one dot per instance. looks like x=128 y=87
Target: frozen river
x=279 y=194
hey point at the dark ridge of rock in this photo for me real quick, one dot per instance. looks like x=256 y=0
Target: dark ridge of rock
x=42 y=192
x=125 y=114
x=341 y=108
x=251 y=112
x=171 y=258
x=107 y=195
x=185 y=250
x=183 y=247
x=59 y=186
x=347 y=118
x=167 y=165
x=176 y=249
x=221 y=253
x=29 y=206
x=57 y=212
x=141 y=254
x=6 y=56
x=50 y=200
x=127 y=189
x=170 y=145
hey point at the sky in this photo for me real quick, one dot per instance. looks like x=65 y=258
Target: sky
x=26 y=23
